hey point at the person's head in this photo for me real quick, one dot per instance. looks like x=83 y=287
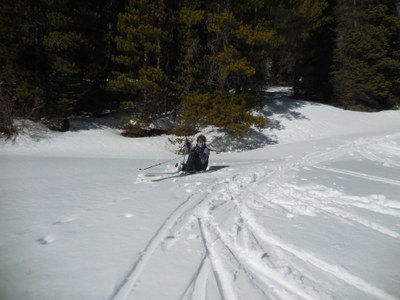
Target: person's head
x=201 y=139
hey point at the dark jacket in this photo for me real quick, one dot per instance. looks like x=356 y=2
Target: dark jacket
x=198 y=159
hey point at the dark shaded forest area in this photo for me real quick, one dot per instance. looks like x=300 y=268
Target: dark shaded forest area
x=204 y=62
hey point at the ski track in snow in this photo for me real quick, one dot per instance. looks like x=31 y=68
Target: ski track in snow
x=242 y=247
x=123 y=290
x=360 y=175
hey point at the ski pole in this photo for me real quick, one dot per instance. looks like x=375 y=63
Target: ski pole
x=160 y=163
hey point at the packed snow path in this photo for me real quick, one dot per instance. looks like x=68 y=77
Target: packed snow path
x=230 y=226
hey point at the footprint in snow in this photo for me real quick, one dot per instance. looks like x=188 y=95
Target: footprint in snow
x=45 y=240
x=265 y=256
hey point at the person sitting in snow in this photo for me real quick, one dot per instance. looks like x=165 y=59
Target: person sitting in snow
x=198 y=156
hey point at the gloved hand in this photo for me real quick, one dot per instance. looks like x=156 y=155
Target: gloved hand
x=197 y=149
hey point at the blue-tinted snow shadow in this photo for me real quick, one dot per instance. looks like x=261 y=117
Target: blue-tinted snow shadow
x=282 y=104
x=277 y=104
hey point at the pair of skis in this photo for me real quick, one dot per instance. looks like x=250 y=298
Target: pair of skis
x=154 y=177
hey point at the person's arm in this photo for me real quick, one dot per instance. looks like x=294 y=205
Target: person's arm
x=204 y=155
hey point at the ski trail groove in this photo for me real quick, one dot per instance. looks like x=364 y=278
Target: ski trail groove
x=317 y=200
x=265 y=276
x=125 y=287
x=335 y=270
x=224 y=291
x=250 y=275
x=268 y=272
x=260 y=273
x=190 y=287
x=255 y=269
x=359 y=175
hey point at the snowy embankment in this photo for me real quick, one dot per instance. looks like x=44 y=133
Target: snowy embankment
x=313 y=214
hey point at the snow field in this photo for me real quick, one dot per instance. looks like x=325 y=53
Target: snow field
x=315 y=216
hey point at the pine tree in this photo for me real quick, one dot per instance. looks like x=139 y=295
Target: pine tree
x=140 y=43
x=64 y=46
x=48 y=61
x=21 y=56
x=304 y=56
x=367 y=55
x=316 y=56
x=224 y=48
x=96 y=21
x=190 y=65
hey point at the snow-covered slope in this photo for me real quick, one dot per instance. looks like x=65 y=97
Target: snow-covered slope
x=313 y=214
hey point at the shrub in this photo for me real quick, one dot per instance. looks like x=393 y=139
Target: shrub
x=222 y=109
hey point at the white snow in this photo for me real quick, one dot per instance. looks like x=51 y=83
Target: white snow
x=314 y=213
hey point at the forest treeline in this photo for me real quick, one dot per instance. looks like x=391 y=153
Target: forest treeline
x=207 y=62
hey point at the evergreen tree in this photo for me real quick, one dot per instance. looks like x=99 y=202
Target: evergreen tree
x=256 y=40
x=96 y=21
x=140 y=43
x=22 y=58
x=316 y=56
x=190 y=65
x=304 y=56
x=212 y=57
x=366 y=72
x=48 y=61
x=66 y=49
x=223 y=46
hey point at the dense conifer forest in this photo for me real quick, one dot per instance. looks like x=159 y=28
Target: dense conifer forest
x=203 y=62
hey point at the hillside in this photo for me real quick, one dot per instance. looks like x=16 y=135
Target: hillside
x=308 y=208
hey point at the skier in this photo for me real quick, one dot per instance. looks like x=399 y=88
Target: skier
x=198 y=156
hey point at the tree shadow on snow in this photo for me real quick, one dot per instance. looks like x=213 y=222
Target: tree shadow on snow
x=225 y=141
x=277 y=104
x=281 y=104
